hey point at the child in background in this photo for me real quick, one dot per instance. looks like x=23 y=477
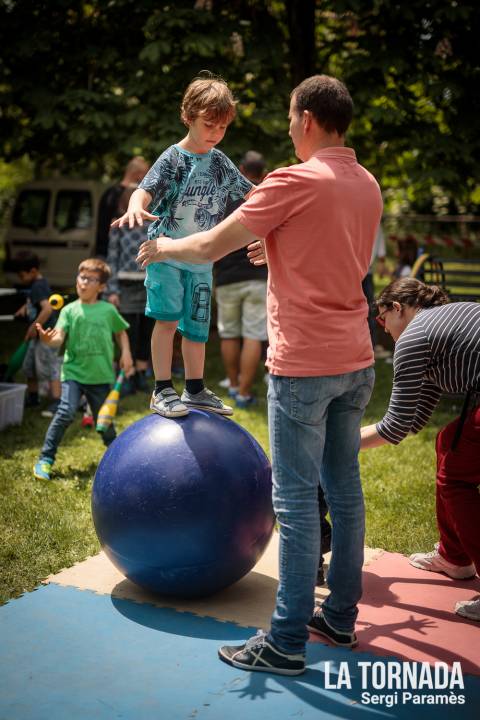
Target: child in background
x=41 y=363
x=86 y=327
x=126 y=289
x=187 y=190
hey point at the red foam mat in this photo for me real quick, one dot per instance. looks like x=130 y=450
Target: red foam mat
x=409 y=613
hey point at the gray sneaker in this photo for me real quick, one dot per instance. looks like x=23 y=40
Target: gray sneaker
x=167 y=403
x=469 y=609
x=206 y=400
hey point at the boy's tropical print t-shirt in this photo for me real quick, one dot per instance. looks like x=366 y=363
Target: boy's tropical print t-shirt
x=191 y=193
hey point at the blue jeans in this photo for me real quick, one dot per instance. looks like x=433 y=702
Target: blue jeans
x=315 y=438
x=65 y=415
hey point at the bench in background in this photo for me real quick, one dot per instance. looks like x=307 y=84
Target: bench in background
x=458 y=277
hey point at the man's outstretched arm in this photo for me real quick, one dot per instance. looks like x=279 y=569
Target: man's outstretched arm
x=202 y=247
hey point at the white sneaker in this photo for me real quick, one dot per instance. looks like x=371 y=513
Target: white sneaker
x=206 y=400
x=225 y=383
x=469 y=609
x=168 y=404
x=434 y=562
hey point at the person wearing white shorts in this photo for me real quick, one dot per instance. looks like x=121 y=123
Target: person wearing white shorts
x=242 y=326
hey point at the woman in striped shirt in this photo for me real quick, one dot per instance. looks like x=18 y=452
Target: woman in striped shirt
x=437 y=350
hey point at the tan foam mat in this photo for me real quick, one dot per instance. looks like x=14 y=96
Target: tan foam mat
x=249 y=602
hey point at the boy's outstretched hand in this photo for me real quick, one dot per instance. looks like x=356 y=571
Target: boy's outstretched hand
x=135 y=216
x=45 y=336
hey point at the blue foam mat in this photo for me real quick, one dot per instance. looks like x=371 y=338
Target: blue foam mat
x=73 y=655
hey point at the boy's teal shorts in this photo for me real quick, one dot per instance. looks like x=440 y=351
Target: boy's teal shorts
x=174 y=294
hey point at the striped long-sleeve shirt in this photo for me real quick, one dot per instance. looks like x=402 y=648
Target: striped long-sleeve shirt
x=439 y=351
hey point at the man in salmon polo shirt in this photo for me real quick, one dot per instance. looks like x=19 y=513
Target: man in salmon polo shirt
x=319 y=219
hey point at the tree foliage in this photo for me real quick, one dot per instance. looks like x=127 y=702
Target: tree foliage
x=84 y=85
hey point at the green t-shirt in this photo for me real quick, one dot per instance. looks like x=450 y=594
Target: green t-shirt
x=88 y=355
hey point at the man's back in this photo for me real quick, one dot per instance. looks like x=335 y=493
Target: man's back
x=320 y=219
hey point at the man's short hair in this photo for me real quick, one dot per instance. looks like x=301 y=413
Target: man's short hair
x=98 y=266
x=25 y=261
x=328 y=100
x=210 y=96
x=253 y=163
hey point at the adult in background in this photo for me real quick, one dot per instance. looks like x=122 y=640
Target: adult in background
x=241 y=295
x=134 y=173
x=378 y=258
x=126 y=290
x=437 y=349
x=319 y=220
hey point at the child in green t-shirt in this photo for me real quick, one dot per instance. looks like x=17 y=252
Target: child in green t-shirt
x=86 y=327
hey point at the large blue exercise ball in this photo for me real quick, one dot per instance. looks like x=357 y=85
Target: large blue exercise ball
x=183 y=506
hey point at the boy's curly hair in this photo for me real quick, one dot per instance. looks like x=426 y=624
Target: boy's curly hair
x=210 y=96
x=98 y=266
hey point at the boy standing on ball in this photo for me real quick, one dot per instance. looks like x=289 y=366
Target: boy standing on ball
x=189 y=188
x=86 y=326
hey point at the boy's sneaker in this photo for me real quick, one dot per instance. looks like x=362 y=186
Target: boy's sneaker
x=434 y=562
x=259 y=654
x=41 y=470
x=87 y=420
x=206 y=400
x=320 y=626
x=232 y=391
x=245 y=401
x=469 y=609
x=224 y=384
x=50 y=411
x=167 y=403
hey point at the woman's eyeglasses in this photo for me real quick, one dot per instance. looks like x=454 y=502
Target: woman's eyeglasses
x=381 y=318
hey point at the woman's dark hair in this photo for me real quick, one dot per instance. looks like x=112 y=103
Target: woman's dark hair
x=412 y=292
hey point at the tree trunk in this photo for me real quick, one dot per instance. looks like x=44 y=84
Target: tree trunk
x=301 y=33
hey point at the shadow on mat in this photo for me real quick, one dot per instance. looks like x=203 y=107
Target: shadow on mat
x=310 y=688
x=176 y=622
x=378 y=593
x=247 y=604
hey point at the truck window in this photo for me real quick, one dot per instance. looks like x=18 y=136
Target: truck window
x=73 y=210
x=31 y=209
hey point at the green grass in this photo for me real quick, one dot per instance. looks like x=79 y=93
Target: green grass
x=47 y=526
